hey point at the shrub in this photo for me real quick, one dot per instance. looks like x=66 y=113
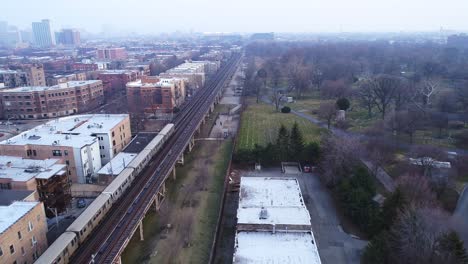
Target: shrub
x=286 y=109
x=343 y=104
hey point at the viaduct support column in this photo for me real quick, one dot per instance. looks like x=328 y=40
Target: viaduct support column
x=174 y=173
x=141 y=231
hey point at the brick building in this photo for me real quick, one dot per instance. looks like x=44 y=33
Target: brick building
x=151 y=94
x=111 y=54
x=59 y=78
x=114 y=81
x=83 y=142
x=48 y=178
x=45 y=102
x=79 y=66
x=23 y=75
x=23 y=228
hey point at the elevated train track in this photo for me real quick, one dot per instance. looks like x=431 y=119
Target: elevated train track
x=108 y=240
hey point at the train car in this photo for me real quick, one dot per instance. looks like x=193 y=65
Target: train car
x=90 y=217
x=140 y=161
x=118 y=186
x=167 y=130
x=155 y=145
x=61 y=250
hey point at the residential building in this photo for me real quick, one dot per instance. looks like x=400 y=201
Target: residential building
x=152 y=94
x=79 y=66
x=114 y=81
x=23 y=75
x=111 y=54
x=59 y=78
x=273 y=223
x=45 y=102
x=42 y=32
x=23 y=228
x=194 y=72
x=47 y=178
x=83 y=142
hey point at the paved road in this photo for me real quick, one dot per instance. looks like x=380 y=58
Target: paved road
x=462 y=205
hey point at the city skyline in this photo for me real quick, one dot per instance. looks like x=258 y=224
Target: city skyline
x=242 y=16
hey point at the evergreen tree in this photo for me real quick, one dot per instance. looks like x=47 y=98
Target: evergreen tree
x=296 y=142
x=282 y=143
x=452 y=248
x=392 y=206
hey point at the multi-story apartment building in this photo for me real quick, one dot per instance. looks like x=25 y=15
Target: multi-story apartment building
x=47 y=178
x=79 y=66
x=58 y=78
x=24 y=75
x=45 y=102
x=194 y=72
x=111 y=54
x=152 y=94
x=42 y=32
x=23 y=228
x=69 y=37
x=114 y=81
x=83 y=142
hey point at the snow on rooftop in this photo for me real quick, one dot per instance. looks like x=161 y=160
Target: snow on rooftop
x=14 y=212
x=66 y=85
x=277 y=192
x=117 y=164
x=274 y=215
x=19 y=169
x=272 y=248
x=74 y=131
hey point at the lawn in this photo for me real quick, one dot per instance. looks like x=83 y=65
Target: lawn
x=260 y=123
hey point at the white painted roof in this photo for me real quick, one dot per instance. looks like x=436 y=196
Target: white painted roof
x=74 y=131
x=14 y=212
x=270 y=192
x=66 y=85
x=117 y=164
x=269 y=248
x=15 y=168
x=274 y=215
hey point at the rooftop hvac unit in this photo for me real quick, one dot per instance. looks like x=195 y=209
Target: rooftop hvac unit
x=263 y=214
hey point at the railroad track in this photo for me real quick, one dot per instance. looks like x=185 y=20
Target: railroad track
x=113 y=233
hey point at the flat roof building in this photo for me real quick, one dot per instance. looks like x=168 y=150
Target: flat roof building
x=35 y=102
x=23 y=230
x=153 y=95
x=273 y=223
x=83 y=142
x=48 y=179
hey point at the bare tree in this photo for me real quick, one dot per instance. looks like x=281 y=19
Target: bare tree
x=417 y=190
x=340 y=157
x=327 y=111
x=366 y=95
x=298 y=74
x=416 y=233
x=384 y=88
x=332 y=89
x=428 y=88
x=407 y=121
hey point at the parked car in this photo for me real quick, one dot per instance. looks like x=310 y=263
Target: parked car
x=81 y=203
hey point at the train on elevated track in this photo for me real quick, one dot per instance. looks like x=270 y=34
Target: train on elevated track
x=67 y=243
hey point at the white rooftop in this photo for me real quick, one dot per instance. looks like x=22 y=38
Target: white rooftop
x=270 y=192
x=66 y=85
x=73 y=131
x=14 y=212
x=274 y=215
x=19 y=169
x=117 y=164
x=163 y=82
x=275 y=248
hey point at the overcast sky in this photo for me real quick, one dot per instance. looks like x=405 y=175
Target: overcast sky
x=154 y=16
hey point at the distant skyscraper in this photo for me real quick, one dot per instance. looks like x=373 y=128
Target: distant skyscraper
x=42 y=32
x=68 y=37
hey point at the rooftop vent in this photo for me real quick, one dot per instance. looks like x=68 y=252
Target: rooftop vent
x=34 y=137
x=263 y=214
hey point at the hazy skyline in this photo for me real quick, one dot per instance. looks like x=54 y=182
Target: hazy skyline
x=146 y=16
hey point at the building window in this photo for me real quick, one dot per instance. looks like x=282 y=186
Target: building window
x=22 y=251
x=1 y=252
x=12 y=249
x=34 y=152
x=56 y=153
x=5 y=186
x=113 y=134
x=113 y=142
x=30 y=226
x=33 y=241
x=65 y=152
x=19 y=235
x=67 y=162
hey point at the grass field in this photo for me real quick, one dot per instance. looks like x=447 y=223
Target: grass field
x=260 y=124
x=191 y=208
